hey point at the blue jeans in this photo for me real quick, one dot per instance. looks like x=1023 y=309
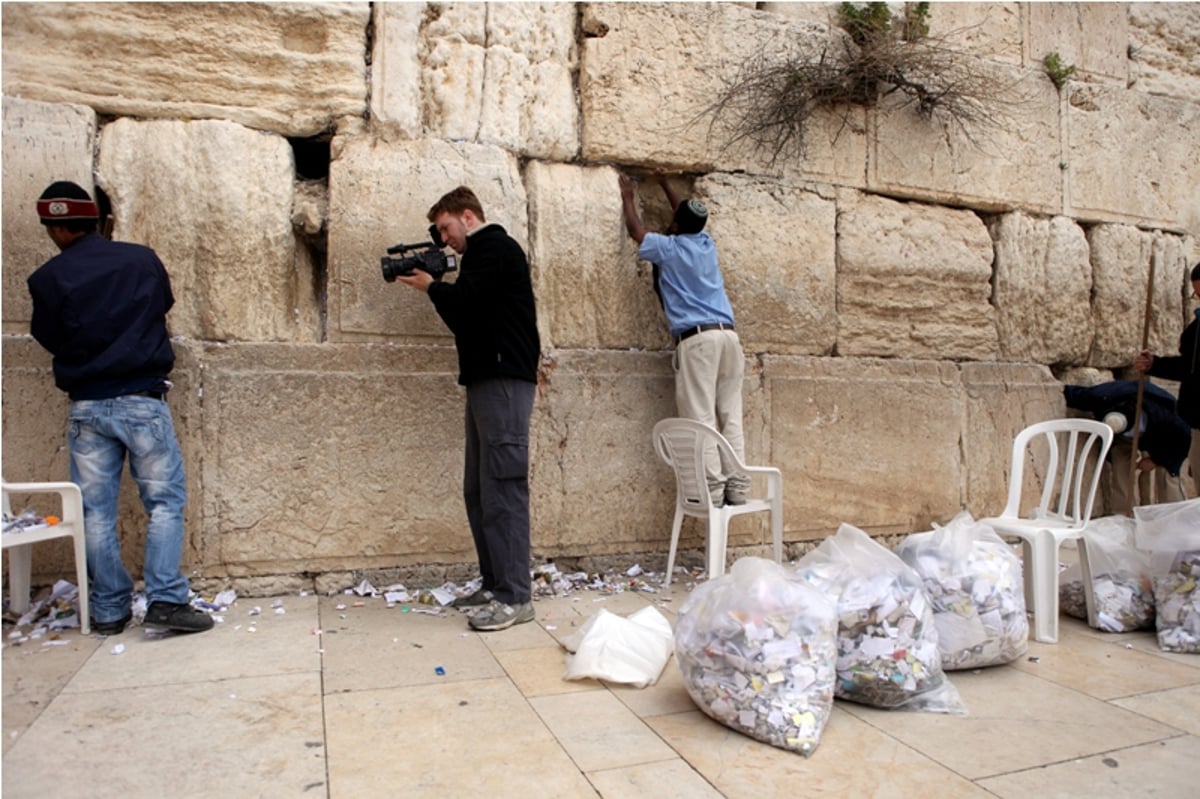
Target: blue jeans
x=99 y=434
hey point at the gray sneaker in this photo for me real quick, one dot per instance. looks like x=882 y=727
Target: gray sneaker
x=737 y=490
x=473 y=599
x=498 y=616
x=735 y=497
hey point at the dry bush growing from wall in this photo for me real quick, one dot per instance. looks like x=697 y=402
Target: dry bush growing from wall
x=771 y=100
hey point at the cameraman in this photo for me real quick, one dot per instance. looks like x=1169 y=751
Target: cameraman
x=491 y=312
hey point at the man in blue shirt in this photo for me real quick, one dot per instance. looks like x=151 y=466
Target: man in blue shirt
x=709 y=364
x=100 y=308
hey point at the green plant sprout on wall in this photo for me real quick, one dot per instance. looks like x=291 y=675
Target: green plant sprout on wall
x=875 y=22
x=1059 y=72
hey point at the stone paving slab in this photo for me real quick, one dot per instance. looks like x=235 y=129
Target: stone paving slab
x=341 y=696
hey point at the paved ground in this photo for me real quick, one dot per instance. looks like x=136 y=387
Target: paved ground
x=329 y=701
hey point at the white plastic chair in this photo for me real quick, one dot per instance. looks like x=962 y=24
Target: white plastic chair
x=1064 y=509
x=19 y=544
x=682 y=443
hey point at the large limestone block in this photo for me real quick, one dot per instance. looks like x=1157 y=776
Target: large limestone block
x=293 y=68
x=991 y=30
x=35 y=446
x=1001 y=400
x=1091 y=36
x=597 y=485
x=1043 y=289
x=452 y=71
x=42 y=143
x=379 y=194
x=874 y=443
x=595 y=292
x=340 y=457
x=1121 y=261
x=1164 y=49
x=35 y=414
x=650 y=71
x=914 y=281
x=1013 y=160
x=988 y=30
x=325 y=457
x=214 y=200
x=777 y=247
x=396 y=69
x=498 y=73
x=1133 y=157
x=591 y=289
x=35 y=449
x=815 y=12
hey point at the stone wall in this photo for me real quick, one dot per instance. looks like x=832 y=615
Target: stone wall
x=907 y=298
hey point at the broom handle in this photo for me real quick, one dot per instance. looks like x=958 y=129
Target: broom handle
x=1137 y=414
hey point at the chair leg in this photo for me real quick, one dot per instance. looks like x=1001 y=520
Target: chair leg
x=675 y=527
x=1045 y=589
x=1085 y=573
x=1027 y=573
x=20 y=567
x=777 y=530
x=718 y=532
x=85 y=621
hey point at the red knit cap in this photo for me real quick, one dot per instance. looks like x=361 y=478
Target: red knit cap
x=64 y=201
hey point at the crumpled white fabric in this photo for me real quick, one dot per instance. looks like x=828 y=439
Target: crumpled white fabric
x=631 y=651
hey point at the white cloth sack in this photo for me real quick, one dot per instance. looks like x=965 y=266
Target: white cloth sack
x=631 y=651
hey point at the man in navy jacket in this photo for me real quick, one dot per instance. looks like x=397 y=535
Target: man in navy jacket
x=1163 y=437
x=100 y=308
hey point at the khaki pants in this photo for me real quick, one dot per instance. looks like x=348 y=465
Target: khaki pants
x=1152 y=487
x=709 y=368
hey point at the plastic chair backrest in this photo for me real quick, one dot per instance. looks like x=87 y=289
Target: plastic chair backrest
x=1072 y=471
x=682 y=444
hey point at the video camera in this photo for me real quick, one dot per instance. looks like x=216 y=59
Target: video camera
x=428 y=257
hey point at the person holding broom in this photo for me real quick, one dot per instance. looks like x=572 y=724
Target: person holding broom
x=1185 y=369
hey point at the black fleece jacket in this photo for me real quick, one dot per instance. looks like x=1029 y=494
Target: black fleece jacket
x=1184 y=368
x=1166 y=437
x=490 y=309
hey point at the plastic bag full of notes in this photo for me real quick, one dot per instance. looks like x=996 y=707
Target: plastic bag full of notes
x=887 y=645
x=1122 y=589
x=1177 y=601
x=756 y=649
x=973 y=580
